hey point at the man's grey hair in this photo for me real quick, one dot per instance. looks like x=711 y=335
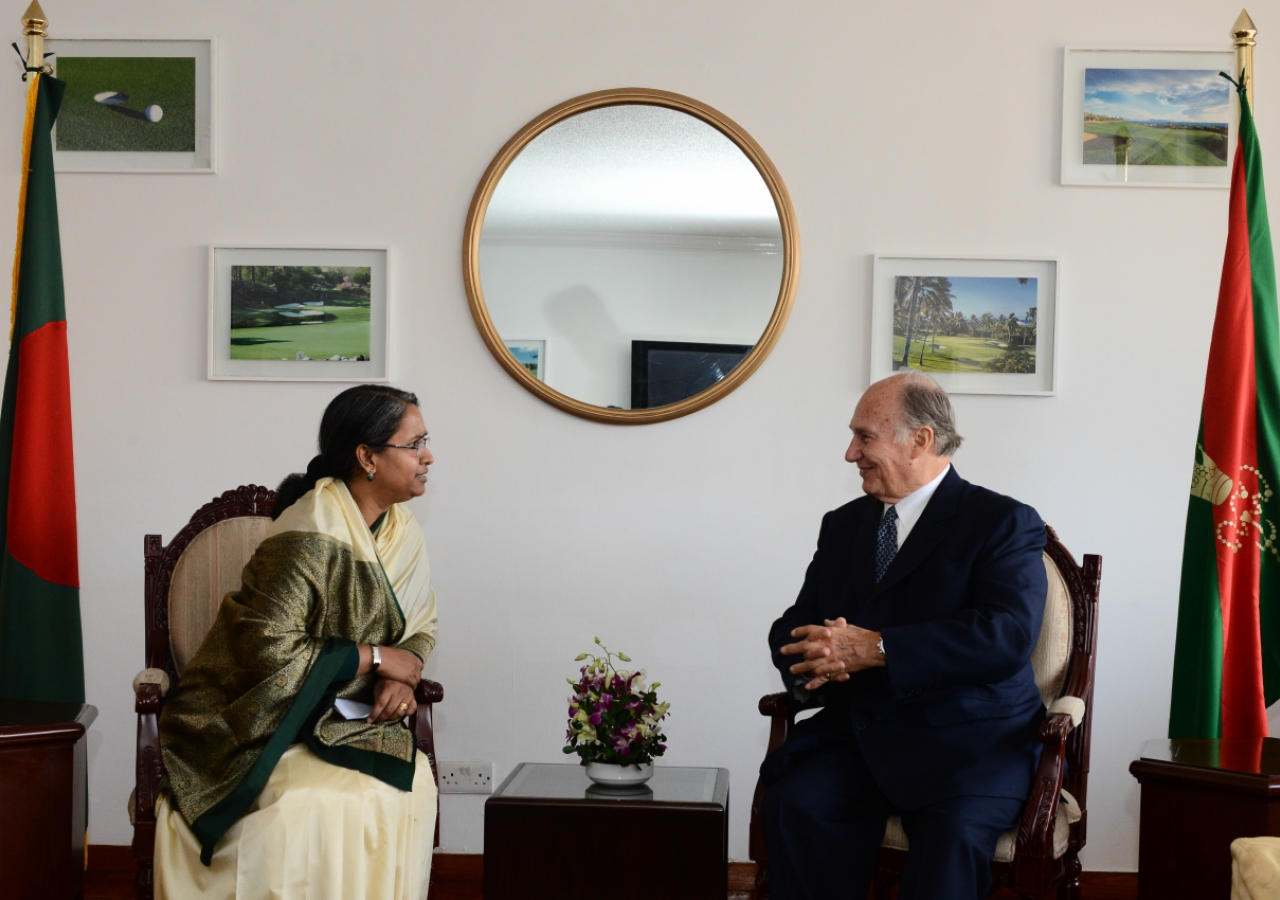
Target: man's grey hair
x=923 y=402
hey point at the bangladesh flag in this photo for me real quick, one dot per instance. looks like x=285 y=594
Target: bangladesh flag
x=41 y=657
x=1226 y=668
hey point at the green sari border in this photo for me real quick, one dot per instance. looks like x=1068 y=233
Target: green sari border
x=396 y=772
x=338 y=660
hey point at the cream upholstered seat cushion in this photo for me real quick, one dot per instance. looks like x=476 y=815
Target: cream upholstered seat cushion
x=207 y=571
x=1255 y=868
x=895 y=837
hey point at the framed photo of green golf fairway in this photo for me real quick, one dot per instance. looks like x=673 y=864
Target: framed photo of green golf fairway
x=1148 y=118
x=134 y=105
x=298 y=314
x=975 y=326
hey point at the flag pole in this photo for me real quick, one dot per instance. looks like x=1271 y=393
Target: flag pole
x=1244 y=32
x=34 y=25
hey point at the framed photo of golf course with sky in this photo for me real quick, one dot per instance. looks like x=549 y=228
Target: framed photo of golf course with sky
x=1148 y=118
x=977 y=326
x=297 y=314
x=134 y=105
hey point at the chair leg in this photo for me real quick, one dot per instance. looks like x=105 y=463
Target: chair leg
x=1069 y=888
x=143 y=886
x=762 y=883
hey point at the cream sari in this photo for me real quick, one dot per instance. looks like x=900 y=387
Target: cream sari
x=273 y=793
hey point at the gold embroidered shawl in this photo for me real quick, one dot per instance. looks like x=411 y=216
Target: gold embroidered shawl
x=284 y=646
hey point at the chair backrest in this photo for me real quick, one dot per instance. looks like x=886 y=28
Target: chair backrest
x=1052 y=654
x=1065 y=655
x=187 y=579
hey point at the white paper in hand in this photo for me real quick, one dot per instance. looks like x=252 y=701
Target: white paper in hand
x=352 y=709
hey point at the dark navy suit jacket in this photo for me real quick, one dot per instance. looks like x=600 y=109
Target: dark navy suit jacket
x=955 y=711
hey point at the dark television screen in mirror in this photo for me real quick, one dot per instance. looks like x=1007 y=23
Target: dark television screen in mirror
x=666 y=372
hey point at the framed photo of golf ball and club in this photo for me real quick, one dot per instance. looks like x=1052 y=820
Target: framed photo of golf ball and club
x=134 y=105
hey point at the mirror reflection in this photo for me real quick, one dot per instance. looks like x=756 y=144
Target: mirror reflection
x=631 y=256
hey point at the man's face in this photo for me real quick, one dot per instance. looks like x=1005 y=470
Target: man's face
x=888 y=469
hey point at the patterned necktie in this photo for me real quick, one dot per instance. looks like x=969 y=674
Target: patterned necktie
x=886 y=541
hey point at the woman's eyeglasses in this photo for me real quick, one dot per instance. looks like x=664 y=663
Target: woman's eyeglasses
x=417 y=446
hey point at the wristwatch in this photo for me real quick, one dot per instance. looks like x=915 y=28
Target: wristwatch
x=880 y=647
x=376 y=653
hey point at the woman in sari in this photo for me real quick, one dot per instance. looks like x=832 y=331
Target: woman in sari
x=272 y=791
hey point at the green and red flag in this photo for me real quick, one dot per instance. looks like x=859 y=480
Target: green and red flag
x=41 y=653
x=1226 y=668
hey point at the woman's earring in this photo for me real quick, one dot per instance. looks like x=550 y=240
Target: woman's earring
x=368 y=476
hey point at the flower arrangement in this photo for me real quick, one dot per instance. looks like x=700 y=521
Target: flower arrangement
x=613 y=716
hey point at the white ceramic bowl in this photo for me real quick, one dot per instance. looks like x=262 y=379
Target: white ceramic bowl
x=608 y=773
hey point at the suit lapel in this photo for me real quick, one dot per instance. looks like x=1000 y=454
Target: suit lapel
x=862 y=552
x=928 y=532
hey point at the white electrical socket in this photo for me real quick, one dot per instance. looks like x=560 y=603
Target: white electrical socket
x=466 y=776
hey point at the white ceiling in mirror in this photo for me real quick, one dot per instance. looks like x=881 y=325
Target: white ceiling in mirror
x=633 y=168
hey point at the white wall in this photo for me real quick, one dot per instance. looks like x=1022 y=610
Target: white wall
x=590 y=302
x=913 y=127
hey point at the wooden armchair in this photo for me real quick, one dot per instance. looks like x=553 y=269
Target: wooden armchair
x=1043 y=852
x=185 y=584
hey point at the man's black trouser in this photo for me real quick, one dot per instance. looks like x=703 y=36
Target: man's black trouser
x=824 y=820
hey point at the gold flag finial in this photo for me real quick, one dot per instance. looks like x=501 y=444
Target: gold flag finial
x=1243 y=24
x=1244 y=32
x=34 y=25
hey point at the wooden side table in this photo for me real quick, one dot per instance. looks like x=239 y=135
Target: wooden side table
x=1197 y=797
x=42 y=793
x=550 y=833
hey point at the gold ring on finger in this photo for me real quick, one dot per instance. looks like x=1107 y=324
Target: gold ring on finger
x=404 y=708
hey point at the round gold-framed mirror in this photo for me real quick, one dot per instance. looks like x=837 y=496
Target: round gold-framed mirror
x=631 y=256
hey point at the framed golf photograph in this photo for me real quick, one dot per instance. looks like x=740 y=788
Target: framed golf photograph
x=298 y=314
x=530 y=353
x=1148 y=118
x=977 y=326
x=134 y=105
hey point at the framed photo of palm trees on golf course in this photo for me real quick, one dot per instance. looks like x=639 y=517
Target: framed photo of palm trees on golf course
x=134 y=105
x=1148 y=118
x=298 y=314
x=977 y=326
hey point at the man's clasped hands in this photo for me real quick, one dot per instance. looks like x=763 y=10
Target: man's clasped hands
x=833 y=651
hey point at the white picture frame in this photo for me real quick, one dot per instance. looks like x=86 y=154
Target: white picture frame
x=523 y=348
x=223 y=366
x=92 y=103
x=994 y=286
x=1142 y=97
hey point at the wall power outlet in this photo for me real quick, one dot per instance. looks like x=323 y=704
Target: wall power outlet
x=466 y=776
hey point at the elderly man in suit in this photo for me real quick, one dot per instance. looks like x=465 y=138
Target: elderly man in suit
x=913 y=631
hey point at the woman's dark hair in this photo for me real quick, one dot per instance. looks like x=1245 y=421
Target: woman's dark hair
x=365 y=414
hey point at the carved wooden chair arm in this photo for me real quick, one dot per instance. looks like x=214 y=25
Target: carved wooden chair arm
x=429 y=691
x=775 y=705
x=1033 y=858
x=149 y=690
x=1071 y=706
x=420 y=723
x=157 y=677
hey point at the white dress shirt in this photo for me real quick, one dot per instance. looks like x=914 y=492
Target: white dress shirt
x=912 y=506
